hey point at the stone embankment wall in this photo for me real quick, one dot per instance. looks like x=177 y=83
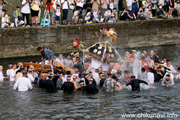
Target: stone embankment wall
x=19 y=42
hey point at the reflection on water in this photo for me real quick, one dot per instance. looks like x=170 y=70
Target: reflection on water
x=38 y=104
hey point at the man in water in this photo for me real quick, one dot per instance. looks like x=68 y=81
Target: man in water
x=23 y=83
x=167 y=81
x=13 y=73
x=109 y=84
x=46 y=54
x=101 y=75
x=135 y=84
x=90 y=88
x=68 y=87
x=49 y=85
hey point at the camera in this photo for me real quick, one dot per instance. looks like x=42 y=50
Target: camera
x=48 y=1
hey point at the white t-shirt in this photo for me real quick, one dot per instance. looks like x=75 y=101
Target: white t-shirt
x=1 y=76
x=88 y=17
x=8 y=72
x=150 y=77
x=107 y=13
x=64 y=79
x=129 y=3
x=80 y=4
x=58 y=13
x=65 y=5
x=30 y=77
x=23 y=84
x=12 y=75
x=59 y=61
x=25 y=9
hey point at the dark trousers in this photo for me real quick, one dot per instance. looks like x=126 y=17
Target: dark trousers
x=26 y=16
x=153 y=12
x=65 y=13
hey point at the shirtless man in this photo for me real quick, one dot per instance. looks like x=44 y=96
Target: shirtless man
x=115 y=67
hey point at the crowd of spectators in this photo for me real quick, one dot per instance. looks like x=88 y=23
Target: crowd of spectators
x=86 y=11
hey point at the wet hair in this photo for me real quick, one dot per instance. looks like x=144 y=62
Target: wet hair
x=114 y=77
x=133 y=76
x=164 y=57
x=109 y=74
x=39 y=48
x=168 y=61
x=156 y=61
x=55 y=71
x=143 y=69
x=158 y=67
x=60 y=68
x=69 y=55
x=126 y=72
x=68 y=72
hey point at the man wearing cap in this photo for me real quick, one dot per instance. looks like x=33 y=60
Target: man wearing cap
x=89 y=76
x=90 y=88
x=109 y=84
x=23 y=83
x=167 y=81
x=42 y=81
x=135 y=84
x=68 y=87
x=49 y=85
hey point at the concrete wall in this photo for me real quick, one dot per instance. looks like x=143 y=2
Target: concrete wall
x=19 y=42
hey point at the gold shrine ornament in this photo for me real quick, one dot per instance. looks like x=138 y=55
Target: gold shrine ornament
x=95 y=51
x=112 y=55
x=99 y=52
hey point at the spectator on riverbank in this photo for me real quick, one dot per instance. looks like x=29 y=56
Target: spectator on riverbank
x=2 y=8
x=25 y=10
x=104 y=4
x=5 y=22
x=71 y=4
x=107 y=15
x=161 y=13
x=131 y=15
x=35 y=11
x=17 y=17
x=48 y=11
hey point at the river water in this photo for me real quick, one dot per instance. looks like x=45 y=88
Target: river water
x=38 y=104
